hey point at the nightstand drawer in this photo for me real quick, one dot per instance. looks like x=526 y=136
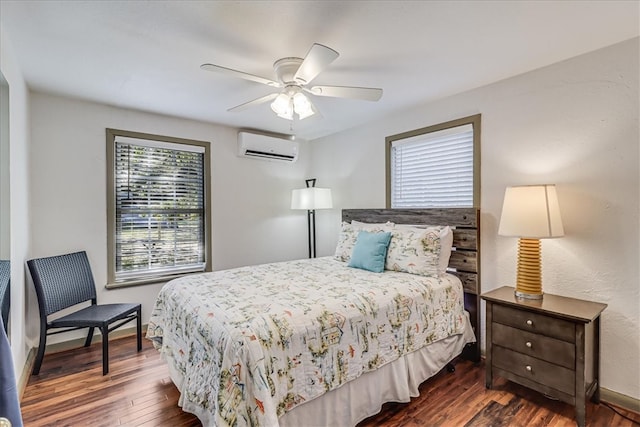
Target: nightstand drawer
x=541 y=347
x=535 y=323
x=533 y=369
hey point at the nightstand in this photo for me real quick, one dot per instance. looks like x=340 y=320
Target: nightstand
x=550 y=345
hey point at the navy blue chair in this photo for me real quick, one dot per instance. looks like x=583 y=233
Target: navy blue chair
x=64 y=281
x=9 y=404
x=5 y=294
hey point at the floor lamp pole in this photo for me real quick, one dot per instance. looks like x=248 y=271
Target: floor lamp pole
x=311 y=222
x=311 y=225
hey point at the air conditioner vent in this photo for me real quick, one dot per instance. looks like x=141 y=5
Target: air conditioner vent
x=254 y=153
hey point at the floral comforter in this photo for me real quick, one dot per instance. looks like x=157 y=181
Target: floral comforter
x=246 y=345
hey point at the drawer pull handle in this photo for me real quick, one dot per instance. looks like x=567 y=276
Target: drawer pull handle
x=528 y=368
x=530 y=322
x=528 y=344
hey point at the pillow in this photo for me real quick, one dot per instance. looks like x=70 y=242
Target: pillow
x=446 y=242
x=349 y=234
x=417 y=250
x=370 y=251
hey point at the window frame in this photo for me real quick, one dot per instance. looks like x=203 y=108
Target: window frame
x=474 y=121
x=111 y=135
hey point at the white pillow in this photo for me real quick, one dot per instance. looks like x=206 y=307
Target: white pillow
x=417 y=250
x=349 y=235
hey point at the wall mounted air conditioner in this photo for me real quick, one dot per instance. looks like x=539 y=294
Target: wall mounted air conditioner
x=259 y=146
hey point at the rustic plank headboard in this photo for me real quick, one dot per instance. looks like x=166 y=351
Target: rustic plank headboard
x=465 y=259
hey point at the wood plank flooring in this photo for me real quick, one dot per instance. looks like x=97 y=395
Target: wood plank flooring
x=71 y=391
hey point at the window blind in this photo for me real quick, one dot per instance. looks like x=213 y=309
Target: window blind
x=433 y=169
x=160 y=214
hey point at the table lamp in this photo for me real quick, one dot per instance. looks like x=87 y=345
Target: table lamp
x=530 y=212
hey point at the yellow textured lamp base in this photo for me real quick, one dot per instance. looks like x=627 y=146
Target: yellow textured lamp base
x=529 y=279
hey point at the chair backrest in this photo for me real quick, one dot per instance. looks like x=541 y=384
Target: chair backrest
x=5 y=294
x=62 y=281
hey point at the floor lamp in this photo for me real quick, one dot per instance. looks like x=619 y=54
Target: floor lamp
x=310 y=199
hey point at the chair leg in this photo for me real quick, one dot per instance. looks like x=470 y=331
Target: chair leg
x=41 y=347
x=139 y=326
x=105 y=349
x=87 y=343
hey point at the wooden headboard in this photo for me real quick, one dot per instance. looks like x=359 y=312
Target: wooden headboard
x=465 y=259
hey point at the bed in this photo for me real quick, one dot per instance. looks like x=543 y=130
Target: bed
x=317 y=342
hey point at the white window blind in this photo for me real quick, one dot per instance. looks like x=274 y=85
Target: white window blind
x=433 y=169
x=159 y=208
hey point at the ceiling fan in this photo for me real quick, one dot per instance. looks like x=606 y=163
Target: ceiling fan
x=293 y=76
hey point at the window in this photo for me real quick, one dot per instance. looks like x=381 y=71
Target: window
x=436 y=166
x=158 y=209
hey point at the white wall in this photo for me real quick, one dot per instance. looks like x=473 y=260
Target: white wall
x=18 y=195
x=575 y=124
x=252 y=220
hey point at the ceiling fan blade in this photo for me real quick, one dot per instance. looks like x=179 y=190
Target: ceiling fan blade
x=240 y=74
x=317 y=59
x=363 y=93
x=257 y=101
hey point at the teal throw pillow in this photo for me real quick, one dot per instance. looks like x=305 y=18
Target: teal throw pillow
x=370 y=251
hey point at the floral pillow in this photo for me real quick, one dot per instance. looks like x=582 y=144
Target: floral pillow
x=423 y=251
x=349 y=235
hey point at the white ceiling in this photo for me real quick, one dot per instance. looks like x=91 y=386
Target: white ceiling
x=146 y=55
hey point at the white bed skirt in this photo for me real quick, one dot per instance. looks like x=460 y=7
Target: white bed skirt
x=363 y=397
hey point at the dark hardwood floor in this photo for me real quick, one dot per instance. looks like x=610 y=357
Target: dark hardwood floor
x=71 y=391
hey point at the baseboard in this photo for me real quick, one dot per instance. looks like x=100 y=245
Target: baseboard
x=26 y=372
x=621 y=400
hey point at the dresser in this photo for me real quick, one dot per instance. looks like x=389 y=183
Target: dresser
x=550 y=345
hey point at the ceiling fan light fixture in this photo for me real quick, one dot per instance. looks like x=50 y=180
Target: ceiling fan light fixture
x=283 y=106
x=302 y=106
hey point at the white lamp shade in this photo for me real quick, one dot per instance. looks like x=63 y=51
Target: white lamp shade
x=311 y=198
x=531 y=211
x=283 y=106
x=286 y=104
x=302 y=106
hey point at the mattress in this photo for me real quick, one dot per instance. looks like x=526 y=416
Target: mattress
x=249 y=345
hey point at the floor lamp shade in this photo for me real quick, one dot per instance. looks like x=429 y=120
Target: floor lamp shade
x=530 y=212
x=310 y=199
